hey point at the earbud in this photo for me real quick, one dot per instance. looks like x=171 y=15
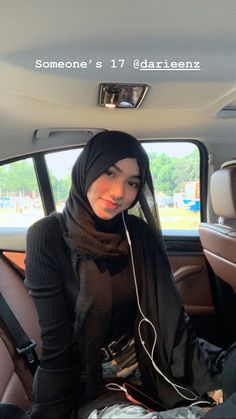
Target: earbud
x=126 y=232
x=128 y=237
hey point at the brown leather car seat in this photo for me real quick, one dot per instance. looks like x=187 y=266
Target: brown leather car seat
x=11 y=388
x=16 y=378
x=219 y=240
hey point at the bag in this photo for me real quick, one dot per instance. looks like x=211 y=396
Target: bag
x=11 y=411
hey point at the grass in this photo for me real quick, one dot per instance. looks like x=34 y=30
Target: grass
x=179 y=219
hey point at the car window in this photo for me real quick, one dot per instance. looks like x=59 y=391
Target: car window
x=175 y=170
x=20 y=202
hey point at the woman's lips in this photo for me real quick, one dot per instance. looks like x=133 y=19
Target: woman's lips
x=110 y=204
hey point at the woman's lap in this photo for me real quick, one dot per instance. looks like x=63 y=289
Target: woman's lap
x=123 y=411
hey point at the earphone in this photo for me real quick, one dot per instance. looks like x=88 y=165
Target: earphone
x=192 y=396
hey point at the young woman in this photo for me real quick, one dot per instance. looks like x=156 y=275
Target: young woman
x=100 y=277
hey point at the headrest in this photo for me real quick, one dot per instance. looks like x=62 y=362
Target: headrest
x=223 y=190
x=231 y=162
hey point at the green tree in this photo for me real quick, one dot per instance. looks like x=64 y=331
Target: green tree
x=187 y=169
x=60 y=187
x=18 y=177
x=170 y=174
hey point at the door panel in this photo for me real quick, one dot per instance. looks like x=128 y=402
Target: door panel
x=196 y=284
x=192 y=279
x=16 y=258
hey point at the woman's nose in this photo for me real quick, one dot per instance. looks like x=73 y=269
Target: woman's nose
x=117 y=190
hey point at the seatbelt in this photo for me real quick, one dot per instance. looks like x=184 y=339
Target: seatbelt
x=24 y=345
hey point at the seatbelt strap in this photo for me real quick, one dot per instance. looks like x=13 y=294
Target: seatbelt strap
x=23 y=344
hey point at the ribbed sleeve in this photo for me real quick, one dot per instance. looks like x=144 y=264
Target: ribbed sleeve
x=45 y=270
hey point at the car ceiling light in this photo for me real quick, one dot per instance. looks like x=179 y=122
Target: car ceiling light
x=121 y=95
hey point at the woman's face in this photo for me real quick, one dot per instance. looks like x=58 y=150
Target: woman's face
x=115 y=189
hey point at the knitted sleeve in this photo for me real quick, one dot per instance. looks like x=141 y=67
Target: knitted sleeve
x=53 y=383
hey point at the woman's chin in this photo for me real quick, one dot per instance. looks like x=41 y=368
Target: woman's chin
x=106 y=216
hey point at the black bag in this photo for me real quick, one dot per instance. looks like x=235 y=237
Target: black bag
x=11 y=411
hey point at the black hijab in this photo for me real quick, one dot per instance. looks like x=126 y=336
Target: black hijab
x=102 y=152
x=87 y=232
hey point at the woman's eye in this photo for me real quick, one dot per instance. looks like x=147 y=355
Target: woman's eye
x=109 y=173
x=134 y=185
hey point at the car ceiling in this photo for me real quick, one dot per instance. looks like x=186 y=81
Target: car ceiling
x=179 y=104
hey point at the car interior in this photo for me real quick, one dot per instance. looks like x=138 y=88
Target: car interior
x=163 y=71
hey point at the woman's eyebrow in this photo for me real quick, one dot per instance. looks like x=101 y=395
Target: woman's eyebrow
x=120 y=171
